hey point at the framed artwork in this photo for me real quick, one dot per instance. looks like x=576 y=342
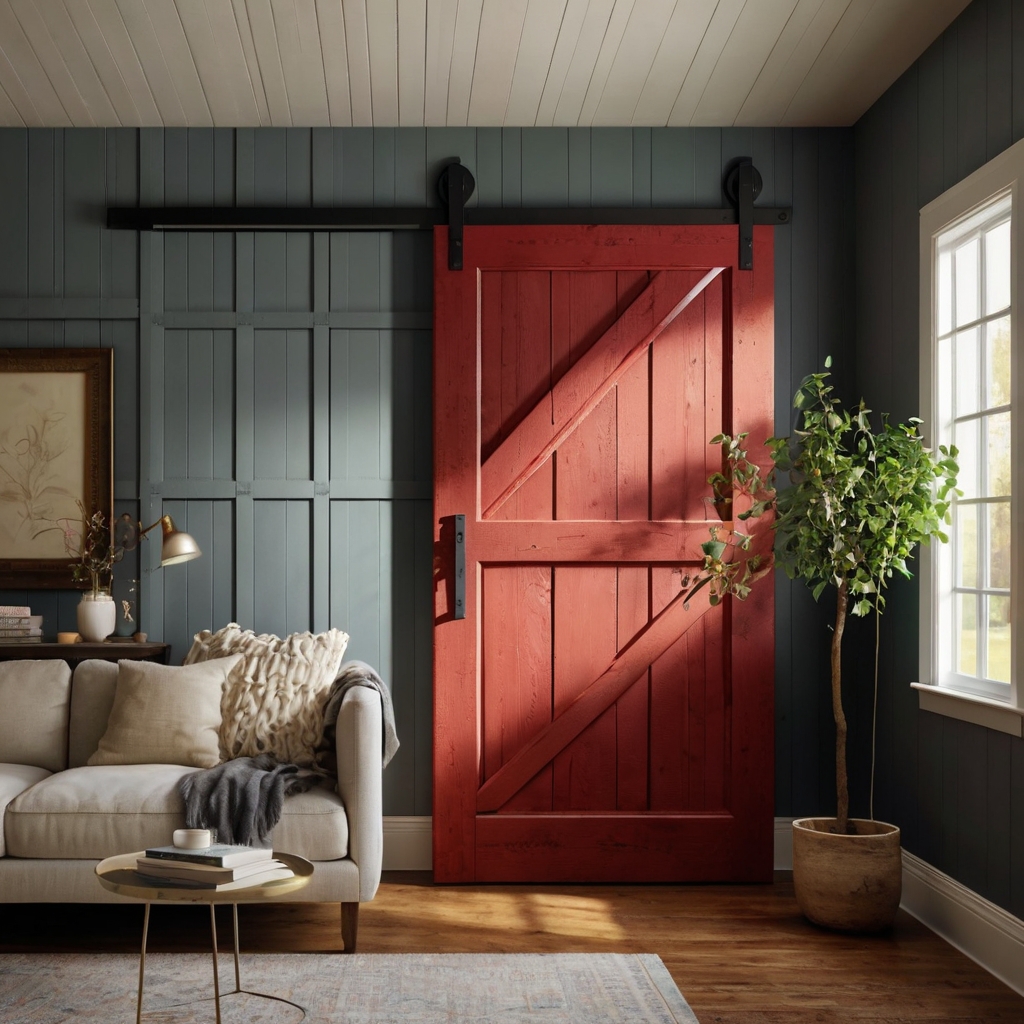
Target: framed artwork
x=56 y=455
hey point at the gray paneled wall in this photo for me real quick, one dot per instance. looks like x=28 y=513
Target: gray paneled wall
x=957 y=790
x=273 y=389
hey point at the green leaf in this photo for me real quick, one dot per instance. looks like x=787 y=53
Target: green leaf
x=714 y=549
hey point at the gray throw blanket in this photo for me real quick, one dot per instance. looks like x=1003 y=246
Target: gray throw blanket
x=242 y=799
x=356 y=673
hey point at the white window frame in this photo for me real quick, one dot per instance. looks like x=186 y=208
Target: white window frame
x=993 y=707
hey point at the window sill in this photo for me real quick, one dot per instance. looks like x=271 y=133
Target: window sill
x=969 y=707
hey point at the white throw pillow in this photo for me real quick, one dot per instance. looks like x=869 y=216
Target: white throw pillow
x=273 y=701
x=165 y=714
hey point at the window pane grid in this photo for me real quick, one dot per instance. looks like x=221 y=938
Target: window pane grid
x=972 y=365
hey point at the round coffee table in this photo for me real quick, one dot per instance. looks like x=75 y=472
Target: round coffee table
x=119 y=874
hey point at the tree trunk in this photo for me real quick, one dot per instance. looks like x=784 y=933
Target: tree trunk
x=842 y=792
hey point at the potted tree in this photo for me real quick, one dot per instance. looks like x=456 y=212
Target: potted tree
x=857 y=502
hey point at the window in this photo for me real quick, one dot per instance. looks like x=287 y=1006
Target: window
x=969 y=250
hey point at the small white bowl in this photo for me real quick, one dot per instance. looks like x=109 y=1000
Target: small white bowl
x=192 y=838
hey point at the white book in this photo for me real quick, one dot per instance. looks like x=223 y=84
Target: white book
x=273 y=875
x=221 y=856
x=206 y=873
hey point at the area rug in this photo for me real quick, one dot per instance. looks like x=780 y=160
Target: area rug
x=376 y=988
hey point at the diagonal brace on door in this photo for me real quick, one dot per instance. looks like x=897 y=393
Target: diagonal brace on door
x=583 y=387
x=649 y=644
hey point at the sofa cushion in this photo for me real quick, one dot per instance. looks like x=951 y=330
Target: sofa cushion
x=15 y=779
x=274 y=700
x=91 y=812
x=92 y=697
x=98 y=811
x=34 y=696
x=165 y=714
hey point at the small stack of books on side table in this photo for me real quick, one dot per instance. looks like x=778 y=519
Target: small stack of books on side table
x=214 y=867
x=19 y=626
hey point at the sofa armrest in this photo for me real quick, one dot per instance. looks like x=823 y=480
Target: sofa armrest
x=358 y=748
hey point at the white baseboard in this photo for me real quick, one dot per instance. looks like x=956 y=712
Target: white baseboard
x=986 y=933
x=784 y=844
x=408 y=844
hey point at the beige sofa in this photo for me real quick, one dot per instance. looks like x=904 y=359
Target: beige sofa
x=60 y=816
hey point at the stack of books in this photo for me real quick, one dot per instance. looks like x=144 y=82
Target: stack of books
x=215 y=867
x=19 y=626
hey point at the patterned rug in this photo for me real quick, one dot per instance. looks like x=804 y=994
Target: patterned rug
x=521 y=988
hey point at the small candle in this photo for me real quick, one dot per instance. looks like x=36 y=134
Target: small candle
x=192 y=838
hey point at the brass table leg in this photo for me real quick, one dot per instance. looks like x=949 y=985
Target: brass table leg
x=216 y=980
x=142 y=966
x=234 y=916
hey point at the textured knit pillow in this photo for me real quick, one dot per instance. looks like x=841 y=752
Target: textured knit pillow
x=273 y=702
x=165 y=714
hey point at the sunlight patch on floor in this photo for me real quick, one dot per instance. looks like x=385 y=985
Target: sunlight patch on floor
x=564 y=914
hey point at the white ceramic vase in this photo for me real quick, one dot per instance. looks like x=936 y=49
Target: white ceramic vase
x=97 y=616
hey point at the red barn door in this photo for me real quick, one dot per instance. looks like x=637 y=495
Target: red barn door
x=587 y=726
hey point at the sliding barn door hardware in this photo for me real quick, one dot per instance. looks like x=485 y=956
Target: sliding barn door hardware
x=743 y=185
x=455 y=187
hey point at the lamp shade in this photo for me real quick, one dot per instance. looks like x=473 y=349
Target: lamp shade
x=177 y=546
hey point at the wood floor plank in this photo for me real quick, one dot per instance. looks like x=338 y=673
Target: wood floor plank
x=740 y=954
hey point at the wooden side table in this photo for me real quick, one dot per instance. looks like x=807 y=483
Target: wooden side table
x=106 y=650
x=118 y=874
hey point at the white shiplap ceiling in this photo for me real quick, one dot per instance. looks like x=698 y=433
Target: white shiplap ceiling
x=456 y=62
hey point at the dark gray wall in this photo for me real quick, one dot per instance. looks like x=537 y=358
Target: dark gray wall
x=273 y=390
x=957 y=790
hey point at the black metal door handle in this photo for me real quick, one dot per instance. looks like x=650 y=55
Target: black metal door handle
x=460 y=566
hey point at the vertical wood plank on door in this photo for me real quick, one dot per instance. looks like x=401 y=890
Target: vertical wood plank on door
x=632 y=486
x=678 y=444
x=670 y=705
x=585 y=598
x=516 y=669
x=516 y=639
x=584 y=615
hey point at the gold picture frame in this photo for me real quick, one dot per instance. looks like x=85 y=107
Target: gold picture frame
x=56 y=451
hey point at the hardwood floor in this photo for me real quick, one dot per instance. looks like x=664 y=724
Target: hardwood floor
x=740 y=954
